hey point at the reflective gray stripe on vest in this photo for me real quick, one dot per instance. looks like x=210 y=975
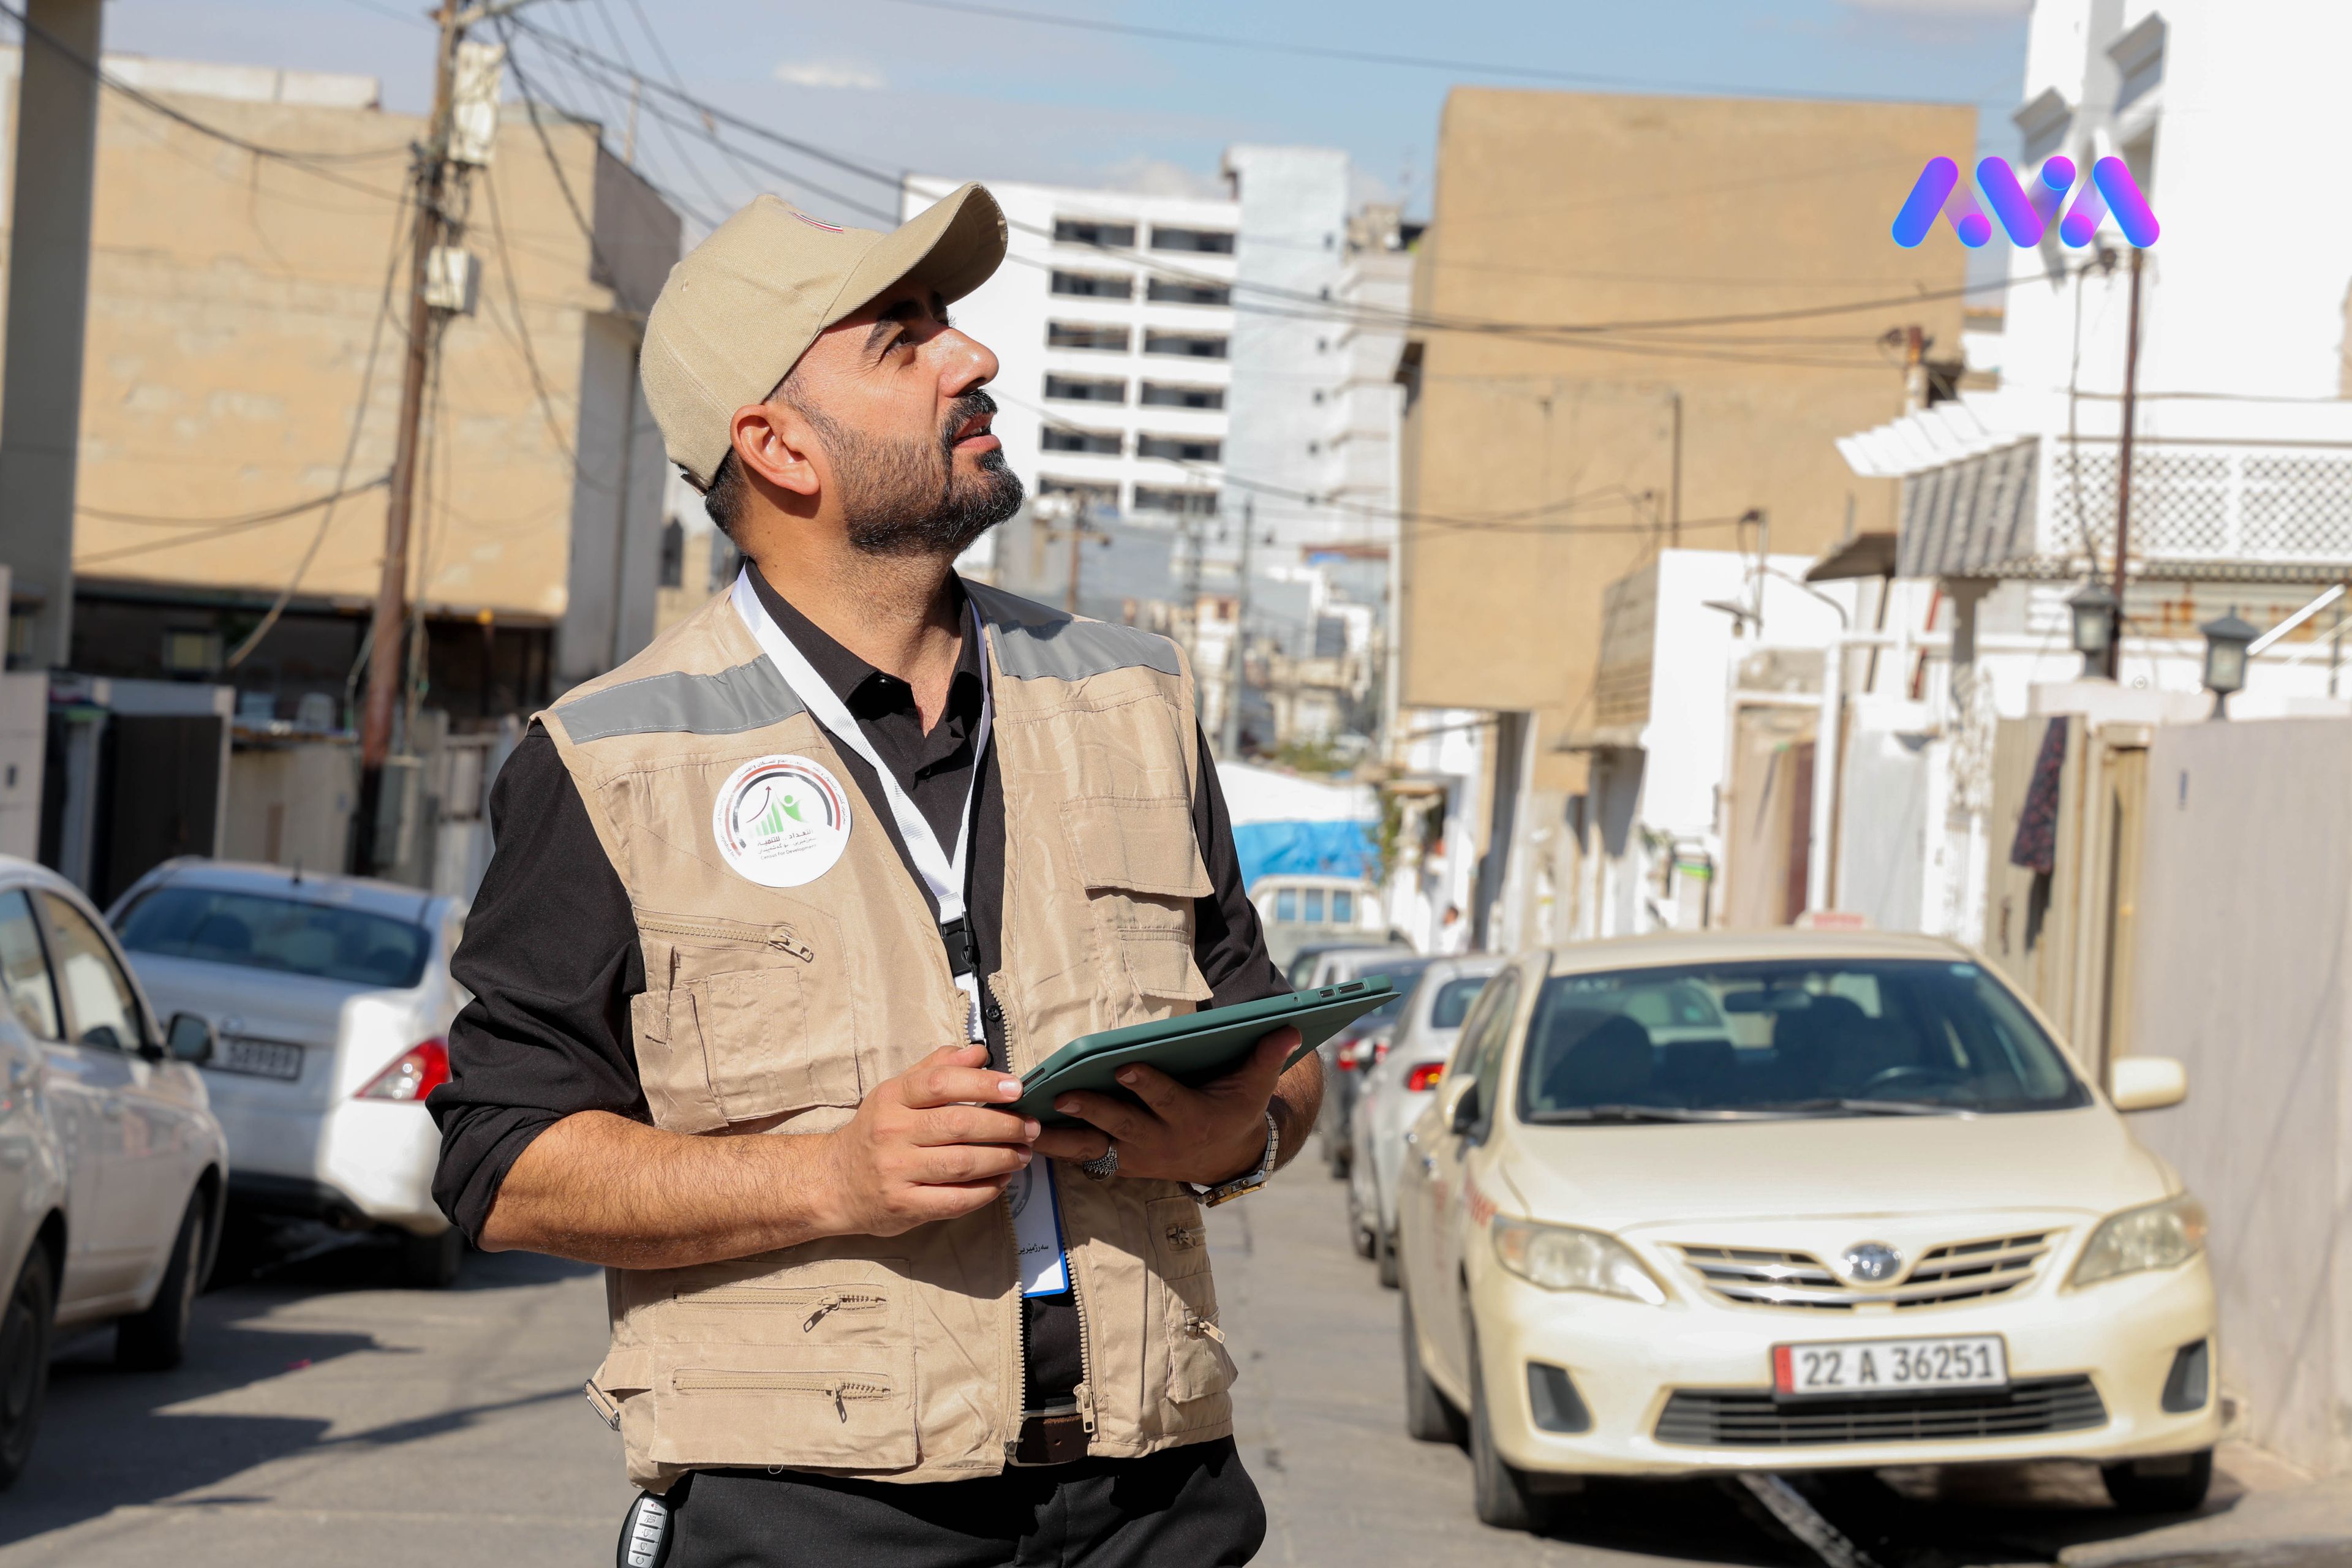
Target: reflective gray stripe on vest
x=1033 y=642
x=747 y=697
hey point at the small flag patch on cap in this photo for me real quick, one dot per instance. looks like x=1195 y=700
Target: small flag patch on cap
x=816 y=222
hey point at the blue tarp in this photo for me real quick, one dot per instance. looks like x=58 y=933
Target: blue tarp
x=1304 y=848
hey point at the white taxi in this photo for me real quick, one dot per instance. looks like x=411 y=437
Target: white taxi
x=1794 y=1199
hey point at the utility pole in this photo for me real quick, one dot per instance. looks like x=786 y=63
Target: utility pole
x=2124 y=468
x=433 y=232
x=1232 y=738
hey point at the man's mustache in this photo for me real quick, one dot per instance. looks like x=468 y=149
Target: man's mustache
x=964 y=409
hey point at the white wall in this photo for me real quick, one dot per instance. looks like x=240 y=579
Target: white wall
x=2247 y=860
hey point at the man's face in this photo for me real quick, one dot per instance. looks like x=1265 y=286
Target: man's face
x=902 y=426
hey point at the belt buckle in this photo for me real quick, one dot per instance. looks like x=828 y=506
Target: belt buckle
x=1055 y=1436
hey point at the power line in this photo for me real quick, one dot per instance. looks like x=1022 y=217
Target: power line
x=216 y=528
x=1371 y=57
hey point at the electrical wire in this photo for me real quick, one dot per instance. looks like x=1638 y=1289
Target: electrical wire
x=1370 y=56
x=221 y=530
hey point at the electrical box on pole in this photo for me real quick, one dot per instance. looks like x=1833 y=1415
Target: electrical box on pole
x=474 y=102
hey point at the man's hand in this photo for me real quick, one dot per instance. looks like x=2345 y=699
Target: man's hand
x=1203 y=1135
x=925 y=1146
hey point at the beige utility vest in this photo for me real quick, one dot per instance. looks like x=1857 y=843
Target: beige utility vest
x=776 y=1010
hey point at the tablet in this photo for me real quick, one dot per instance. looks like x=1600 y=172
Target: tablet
x=1194 y=1048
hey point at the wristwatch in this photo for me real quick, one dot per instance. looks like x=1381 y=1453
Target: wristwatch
x=1225 y=1192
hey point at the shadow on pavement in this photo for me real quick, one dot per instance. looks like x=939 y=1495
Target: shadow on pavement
x=110 y=1439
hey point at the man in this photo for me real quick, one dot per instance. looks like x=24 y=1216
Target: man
x=1452 y=936
x=835 y=860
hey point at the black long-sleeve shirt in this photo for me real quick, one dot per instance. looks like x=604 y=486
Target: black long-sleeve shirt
x=551 y=951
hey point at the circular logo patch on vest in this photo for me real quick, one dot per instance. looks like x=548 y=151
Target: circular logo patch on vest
x=780 y=822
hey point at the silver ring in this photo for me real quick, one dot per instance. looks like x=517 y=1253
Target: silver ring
x=1106 y=1166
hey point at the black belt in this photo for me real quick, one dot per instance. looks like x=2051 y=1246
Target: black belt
x=1056 y=1440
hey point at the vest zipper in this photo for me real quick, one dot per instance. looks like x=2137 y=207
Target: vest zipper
x=1184 y=1237
x=824 y=1303
x=778 y=937
x=839 y=1390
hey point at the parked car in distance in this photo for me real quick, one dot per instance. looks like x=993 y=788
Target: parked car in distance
x=1879 y=1218
x=1298 y=911
x=331 y=998
x=1390 y=1093
x=1336 y=966
x=112 y=1168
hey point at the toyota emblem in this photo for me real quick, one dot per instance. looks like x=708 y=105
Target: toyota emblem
x=1873 y=1262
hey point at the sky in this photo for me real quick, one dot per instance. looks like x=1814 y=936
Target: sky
x=945 y=87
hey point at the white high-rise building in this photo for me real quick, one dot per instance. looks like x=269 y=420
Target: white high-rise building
x=1112 y=319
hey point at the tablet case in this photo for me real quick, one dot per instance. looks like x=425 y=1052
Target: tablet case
x=1194 y=1048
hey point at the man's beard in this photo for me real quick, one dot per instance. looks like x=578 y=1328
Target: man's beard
x=905 y=497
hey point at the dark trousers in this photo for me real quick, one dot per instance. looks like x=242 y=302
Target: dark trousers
x=1195 y=1506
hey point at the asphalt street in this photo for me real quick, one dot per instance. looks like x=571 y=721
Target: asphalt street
x=327 y=1416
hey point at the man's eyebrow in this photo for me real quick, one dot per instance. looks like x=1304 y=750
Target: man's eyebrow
x=905 y=310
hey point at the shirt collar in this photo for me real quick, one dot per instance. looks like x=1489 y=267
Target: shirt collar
x=864 y=690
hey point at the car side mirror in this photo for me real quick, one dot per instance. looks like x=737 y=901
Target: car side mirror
x=189 y=1038
x=2146 y=1083
x=1461 y=1106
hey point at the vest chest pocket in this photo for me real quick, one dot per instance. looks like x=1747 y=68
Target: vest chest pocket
x=1140 y=863
x=746 y=1043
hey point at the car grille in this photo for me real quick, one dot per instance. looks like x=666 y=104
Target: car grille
x=1961 y=1271
x=1743 y=1420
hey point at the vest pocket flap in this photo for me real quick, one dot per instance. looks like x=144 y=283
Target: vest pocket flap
x=1161 y=965
x=762 y=1055
x=848 y=1302
x=847 y=1407
x=1139 y=846
x=1199 y=1365
x=625 y=1370
x=671 y=1065
x=1179 y=1236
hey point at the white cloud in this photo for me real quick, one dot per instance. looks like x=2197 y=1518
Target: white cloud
x=830 y=73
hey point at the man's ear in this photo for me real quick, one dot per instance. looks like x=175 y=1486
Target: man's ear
x=773 y=441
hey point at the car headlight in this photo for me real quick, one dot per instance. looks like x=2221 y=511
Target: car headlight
x=2156 y=1236
x=1560 y=1258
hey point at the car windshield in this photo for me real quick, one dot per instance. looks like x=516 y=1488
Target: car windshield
x=253 y=931
x=1837 y=1037
x=1404 y=974
x=1452 y=1002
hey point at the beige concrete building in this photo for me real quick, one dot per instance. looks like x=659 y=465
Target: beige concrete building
x=233 y=301
x=1539 y=466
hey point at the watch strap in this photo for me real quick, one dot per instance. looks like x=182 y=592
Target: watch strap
x=1225 y=1192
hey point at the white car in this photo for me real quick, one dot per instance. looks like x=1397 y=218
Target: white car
x=1879 y=1219
x=1391 y=1091
x=1340 y=1053
x=332 y=999
x=111 y=1169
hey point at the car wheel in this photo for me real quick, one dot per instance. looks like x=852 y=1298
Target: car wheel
x=2175 y=1485
x=24 y=1324
x=157 y=1339
x=1428 y=1415
x=1384 y=1253
x=431 y=1262
x=1498 y=1494
x=1359 y=1234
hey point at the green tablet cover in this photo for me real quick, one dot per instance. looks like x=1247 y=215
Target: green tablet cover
x=1194 y=1048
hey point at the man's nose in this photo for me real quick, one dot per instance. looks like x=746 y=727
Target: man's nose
x=965 y=363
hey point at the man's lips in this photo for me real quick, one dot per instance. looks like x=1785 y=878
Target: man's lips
x=975 y=433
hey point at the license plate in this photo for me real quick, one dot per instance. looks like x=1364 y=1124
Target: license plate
x=1848 y=1367
x=262 y=1058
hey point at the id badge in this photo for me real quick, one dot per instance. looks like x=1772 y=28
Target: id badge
x=1037 y=1230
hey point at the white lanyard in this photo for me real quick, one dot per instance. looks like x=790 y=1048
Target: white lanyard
x=942 y=873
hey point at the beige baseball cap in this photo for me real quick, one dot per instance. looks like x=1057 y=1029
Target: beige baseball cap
x=740 y=308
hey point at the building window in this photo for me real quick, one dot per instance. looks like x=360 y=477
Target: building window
x=1206 y=241
x=1084 y=389
x=1062 y=438
x=1193 y=345
x=190 y=652
x=1096 y=285
x=1183 y=504
x=1180 y=449
x=1089 y=231
x=673 y=556
x=1168 y=291
x=1075 y=335
x=1167 y=394
x=1092 y=496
